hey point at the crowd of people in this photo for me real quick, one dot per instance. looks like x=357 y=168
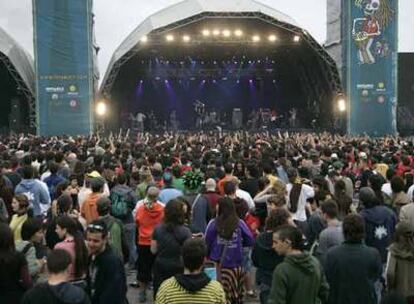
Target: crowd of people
x=207 y=217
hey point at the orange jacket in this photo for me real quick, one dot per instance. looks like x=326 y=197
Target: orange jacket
x=146 y=220
x=88 y=210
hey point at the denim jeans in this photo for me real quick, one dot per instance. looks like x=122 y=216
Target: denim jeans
x=131 y=241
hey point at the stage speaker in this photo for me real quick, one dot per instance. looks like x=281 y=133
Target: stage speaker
x=406 y=79
x=15 y=117
x=237 y=118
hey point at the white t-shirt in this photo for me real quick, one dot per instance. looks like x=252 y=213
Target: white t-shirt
x=245 y=196
x=305 y=193
x=410 y=192
x=386 y=188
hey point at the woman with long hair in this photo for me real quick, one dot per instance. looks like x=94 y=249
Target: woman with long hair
x=74 y=243
x=167 y=241
x=20 y=206
x=14 y=273
x=400 y=262
x=64 y=206
x=342 y=199
x=225 y=238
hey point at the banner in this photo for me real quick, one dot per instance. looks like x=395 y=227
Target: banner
x=64 y=67
x=372 y=66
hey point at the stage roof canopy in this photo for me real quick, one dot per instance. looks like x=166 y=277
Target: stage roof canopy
x=187 y=9
x=18 y=61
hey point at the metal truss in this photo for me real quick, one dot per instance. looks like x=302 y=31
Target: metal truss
x=326 y=62
x=22 y=87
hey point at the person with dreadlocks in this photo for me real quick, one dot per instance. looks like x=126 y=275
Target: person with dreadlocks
x=298 y=194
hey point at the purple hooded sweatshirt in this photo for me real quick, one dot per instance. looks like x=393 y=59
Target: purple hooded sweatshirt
x=242 y=237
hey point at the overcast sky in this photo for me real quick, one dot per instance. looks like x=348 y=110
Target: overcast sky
x=115 y=19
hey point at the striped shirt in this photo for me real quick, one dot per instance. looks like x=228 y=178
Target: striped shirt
x=171 y=292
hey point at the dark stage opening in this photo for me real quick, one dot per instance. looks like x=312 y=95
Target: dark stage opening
x=13 y=108
x=249 y=65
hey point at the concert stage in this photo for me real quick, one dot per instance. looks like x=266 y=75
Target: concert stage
x=217 y=58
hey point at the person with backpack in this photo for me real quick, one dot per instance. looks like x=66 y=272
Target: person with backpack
x=148 y=216
x=57 y=289
x=123 y=200
x=116 y=236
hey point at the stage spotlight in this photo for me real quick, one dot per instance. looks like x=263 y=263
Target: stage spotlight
x=141 y=81
x=296 y=38
x=204 y=81
x=238 y=81
x=256 y=38
x=214 y=81
x=186 y=38
x=341 y=104
x=166 y=81
x=101 y=108
x=216 y=32
x=226 y=33
x=274 y=80
x=206 y=33
x=272 y=38
x=144 y=39
x=169 y=38
x=251 y=80
x=238 y=33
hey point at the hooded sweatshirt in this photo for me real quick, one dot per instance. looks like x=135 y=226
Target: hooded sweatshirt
x=400 y=270
x=299 y=279
x=380 y=224
x=147 y=218
x=64 y=293
x=191 y=288
x=36 y=193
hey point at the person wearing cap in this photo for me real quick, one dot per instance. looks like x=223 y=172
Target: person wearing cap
x=88 y=209
x=168 y=192
x=379 y=220
x=148 y=216
x=85 y=190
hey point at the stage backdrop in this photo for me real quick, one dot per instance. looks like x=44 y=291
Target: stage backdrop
x=372 y=66
x=64 y=69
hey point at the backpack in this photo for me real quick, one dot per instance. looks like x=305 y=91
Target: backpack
x=119 y=205
x=116 y=239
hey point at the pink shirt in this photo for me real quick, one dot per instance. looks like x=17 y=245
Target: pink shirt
x=69 y=246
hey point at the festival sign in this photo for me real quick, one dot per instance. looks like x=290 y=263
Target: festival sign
x=372 y=66
x=64 y=68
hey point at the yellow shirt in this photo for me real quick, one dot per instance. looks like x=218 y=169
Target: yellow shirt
x=16 y=226
x=272 y=179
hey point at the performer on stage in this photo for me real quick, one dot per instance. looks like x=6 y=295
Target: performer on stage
x=139 y=119
x=292 y=119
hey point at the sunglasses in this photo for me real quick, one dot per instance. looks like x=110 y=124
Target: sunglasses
x=95 y=227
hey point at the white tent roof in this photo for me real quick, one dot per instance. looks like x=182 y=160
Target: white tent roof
x=19 y=58
x=186 y=9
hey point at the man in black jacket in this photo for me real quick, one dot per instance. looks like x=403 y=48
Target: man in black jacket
x=106 y=274
x=353 y=268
